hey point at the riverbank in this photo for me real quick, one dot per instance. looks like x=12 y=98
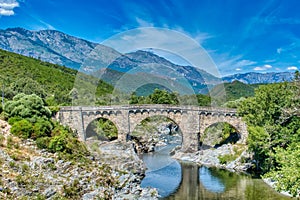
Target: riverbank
x=232 y=157
x=29 y=172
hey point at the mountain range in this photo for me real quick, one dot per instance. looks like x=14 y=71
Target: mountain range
x=140 y=67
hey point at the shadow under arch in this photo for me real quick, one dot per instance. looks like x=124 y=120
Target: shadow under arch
x=156 y=132
x=219 y=133
x=102 y=129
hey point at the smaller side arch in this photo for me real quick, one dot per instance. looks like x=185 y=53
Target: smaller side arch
x=101 y=129
x=234 y=121
x=119 y=119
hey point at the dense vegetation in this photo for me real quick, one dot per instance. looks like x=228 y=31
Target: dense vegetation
x=273 y=118
x=230 y=93
x=162 y=96
x=20 y=74
x=30 y=118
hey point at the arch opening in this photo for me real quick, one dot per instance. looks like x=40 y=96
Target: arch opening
x=155 y=133
x=218 y=134
x=101 y=129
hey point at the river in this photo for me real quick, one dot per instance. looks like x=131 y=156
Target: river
x=178 y=180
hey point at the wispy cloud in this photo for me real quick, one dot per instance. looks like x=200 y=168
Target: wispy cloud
x=263 y=68
x=274 y=20
x=292 y=68
x=7 y=7
x=143 y=23
x=236 y=63
x=45 y=25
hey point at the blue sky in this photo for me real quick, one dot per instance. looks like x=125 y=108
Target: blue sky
x=239 y=35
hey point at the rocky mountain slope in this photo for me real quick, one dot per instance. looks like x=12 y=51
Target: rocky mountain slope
x=48 y=45
x=254 y=78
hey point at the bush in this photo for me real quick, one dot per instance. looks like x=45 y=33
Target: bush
x=22 y=129
x=42 y=128
x=13 y=120
x=43 y=142
x=58 y=143
x=27 y=106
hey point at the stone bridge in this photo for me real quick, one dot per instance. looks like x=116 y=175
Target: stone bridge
x=191 y=120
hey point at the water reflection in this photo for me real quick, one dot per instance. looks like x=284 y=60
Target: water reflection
x=177 y=181
x=209 y=182
x=203 y=183
x=163 y=172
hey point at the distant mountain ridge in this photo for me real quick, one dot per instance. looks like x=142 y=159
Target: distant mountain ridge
x=254 y=78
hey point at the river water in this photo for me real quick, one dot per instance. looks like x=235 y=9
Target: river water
x=177 y=181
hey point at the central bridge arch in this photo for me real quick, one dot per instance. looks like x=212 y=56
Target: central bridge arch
x=192 y=120
x=138 y=115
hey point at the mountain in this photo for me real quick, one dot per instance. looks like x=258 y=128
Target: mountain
x=153 y=66
x=232 y=91
x=254 y=78
x=59 y=48
x=49 y=45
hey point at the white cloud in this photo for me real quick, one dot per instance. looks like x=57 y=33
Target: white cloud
x=242 y=63
x=268 y=66
x=265 y=67
x=7 y=7
x=6 y=12
x=279 y=50
x=259 y=69
x=292 y=68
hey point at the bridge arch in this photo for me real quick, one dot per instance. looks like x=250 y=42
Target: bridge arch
x=89 y=117
x=101 y=129
x=138 y=115
x=219 y=133
x=231 y=119
x=155 y=132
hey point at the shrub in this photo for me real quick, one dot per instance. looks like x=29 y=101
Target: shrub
x=43 y=142
x=22 y=129
x=42 y=128
x=27 y=106
x=12 y=120
x=58 y=143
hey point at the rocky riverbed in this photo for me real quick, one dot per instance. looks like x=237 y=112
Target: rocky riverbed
x=233 y=157
x=112 y=171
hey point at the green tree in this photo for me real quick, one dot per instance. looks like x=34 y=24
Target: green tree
x=28 y=86
x=274 y=132
x=27 y=107
x=163 y=97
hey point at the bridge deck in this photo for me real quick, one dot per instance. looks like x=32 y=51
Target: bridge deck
x=148 y=107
